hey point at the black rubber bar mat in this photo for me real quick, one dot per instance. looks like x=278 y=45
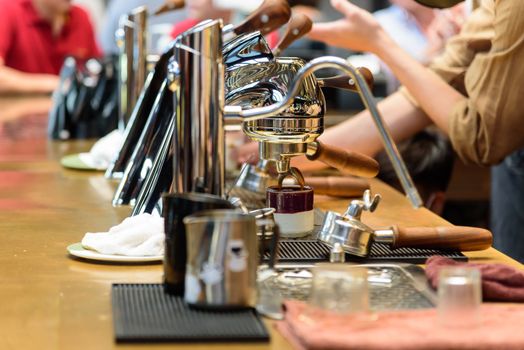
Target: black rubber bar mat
x=144 y=313
x=311 y=251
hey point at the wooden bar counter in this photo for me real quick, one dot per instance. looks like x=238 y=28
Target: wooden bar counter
x=49 y=300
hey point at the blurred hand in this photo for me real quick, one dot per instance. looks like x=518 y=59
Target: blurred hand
x=358 y=31
x=446 y=24
x=245 y=153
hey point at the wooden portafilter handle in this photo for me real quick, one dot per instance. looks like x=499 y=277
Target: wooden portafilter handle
x=463 y=238
x=338 y=186
x=272 y=14
x=298 y=26
x=345 y=161
x=169 y=5
x=344 y=81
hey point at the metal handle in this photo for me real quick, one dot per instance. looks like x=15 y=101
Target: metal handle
x=237 y=114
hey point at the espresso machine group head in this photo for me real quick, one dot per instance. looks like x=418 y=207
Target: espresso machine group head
x=287 y=124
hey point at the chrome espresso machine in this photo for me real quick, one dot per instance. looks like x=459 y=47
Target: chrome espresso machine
x=219 y=75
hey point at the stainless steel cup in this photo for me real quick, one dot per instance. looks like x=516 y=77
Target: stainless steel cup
x=222 y=259
x=176 y=207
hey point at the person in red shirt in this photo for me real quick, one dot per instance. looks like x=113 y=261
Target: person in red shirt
x=35 y=38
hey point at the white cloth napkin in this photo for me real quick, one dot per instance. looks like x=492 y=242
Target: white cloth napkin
x=104 y=150
x=140 y=235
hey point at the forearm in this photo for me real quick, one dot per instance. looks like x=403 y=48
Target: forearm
x=359 y=133
x=434 y=95
x=14 y=81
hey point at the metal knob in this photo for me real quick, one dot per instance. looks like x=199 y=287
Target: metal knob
x=367 y=202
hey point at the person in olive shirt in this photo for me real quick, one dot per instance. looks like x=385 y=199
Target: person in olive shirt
x=473 y=92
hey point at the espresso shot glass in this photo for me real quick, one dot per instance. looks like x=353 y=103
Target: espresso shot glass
x=293 y=209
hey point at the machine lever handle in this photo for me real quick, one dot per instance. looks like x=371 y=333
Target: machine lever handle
x=345 y=161
x=344 y=81
x=463 y=238
x=298 y=26
x=338 y=186
x=169 y=5
x=269 y=16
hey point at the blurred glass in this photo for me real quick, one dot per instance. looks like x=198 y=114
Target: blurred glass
x=340 y=288
x=459 y=296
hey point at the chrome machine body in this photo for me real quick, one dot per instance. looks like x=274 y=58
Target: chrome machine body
x=198 y=140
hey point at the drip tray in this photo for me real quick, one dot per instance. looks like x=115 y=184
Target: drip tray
x=145 y=313
x=313 y=251
x=391 y=286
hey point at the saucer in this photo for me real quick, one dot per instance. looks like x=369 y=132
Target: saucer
x=77 y=250
x=79 y=162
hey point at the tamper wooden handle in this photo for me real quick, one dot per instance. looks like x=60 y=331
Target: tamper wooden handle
x=169 y=5
x=338 y=186
x=345 y=161
x=298 y=26
x=269 y=16
x=463 y=238
x=344 y=81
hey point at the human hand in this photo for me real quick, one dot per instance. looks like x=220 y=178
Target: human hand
x=358 y=30
x=246 y=153
x=446 y=24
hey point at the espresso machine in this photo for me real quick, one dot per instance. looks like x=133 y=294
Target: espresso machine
x=277 y=101
x=140 y=162
x=285 y=127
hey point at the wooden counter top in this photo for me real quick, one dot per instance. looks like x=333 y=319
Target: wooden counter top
x=49 y=300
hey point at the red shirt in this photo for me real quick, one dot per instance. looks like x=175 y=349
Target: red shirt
x=27 y=43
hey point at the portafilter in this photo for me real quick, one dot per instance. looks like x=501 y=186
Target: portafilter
x=356 y=238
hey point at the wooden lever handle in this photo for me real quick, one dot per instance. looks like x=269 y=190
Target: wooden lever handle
x=345 y=161
x=269 y=16
x=463 y=238
x=169 y=5
x=345 y=82
x=338 y=186
x=298 y=26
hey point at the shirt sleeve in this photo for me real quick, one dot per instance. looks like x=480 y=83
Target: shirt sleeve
x=6 y=33
x=94 y=50
x=454 y=61
x=487 y=125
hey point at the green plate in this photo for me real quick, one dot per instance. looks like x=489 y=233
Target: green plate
x=73 y=161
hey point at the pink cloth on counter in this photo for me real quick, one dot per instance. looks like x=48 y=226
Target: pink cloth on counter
x=499 y=282
x=500 y=328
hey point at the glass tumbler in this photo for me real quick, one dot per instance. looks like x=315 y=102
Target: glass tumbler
x=459 y=296
x=340 y=288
